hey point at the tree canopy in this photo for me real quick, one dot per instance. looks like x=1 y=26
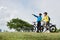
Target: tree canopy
x=18 y=24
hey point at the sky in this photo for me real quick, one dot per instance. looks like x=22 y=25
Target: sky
x=24 y=9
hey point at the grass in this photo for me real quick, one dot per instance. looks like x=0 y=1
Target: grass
x=29 y=36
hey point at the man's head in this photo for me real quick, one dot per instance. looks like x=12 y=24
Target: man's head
x=45 y=13
x=40 y=14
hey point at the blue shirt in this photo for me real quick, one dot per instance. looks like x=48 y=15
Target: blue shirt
x=39 y=18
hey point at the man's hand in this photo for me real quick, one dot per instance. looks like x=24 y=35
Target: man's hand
x=32 y=14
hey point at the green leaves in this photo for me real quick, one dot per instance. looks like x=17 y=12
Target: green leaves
x=18 y=23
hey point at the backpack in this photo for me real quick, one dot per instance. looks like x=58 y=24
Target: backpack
x=49 y=18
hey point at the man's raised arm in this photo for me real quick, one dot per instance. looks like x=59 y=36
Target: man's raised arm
x=35 y=15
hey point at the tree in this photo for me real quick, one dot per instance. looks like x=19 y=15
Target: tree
x=18 y=24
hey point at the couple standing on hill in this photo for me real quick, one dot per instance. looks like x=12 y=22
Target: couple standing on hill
x=46 y=19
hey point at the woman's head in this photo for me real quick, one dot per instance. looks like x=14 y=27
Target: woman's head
x=45 y=13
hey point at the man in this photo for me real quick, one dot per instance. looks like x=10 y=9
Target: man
x=39 y=18
x=46 y=19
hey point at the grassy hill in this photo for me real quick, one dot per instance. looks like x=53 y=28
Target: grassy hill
x=29 y=36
